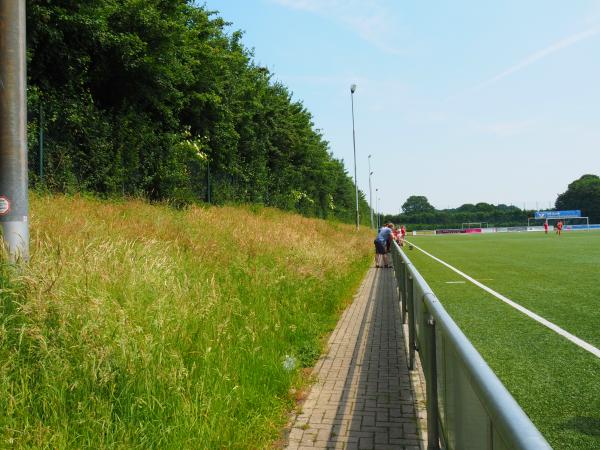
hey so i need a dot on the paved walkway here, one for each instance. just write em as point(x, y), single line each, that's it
point(363, 397)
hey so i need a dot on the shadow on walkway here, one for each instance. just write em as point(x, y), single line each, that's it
point(363, 397)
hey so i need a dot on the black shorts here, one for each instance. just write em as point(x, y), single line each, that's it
point(379, 247)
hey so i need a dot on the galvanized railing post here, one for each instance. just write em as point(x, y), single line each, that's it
point(402, 277)
point(433, 437)
point(398, 274)
point(411, 323)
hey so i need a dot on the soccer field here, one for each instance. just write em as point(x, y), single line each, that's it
point(555, 381)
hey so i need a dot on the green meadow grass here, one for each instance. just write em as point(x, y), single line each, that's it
point(140, 326)
point(555, 382)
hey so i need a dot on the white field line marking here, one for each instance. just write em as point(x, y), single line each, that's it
point(455, 282)
point(577, 341)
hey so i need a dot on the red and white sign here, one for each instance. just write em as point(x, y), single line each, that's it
point(4, 205)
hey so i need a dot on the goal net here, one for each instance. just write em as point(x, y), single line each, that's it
point(473, 225)
point(572, 220)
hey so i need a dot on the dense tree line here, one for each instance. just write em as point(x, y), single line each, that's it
point(156, 98)
point(418, 213)
point(583, 194)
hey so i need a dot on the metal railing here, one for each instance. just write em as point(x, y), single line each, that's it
point(467, 405)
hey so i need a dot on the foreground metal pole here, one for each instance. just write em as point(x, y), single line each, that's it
point(14, 203)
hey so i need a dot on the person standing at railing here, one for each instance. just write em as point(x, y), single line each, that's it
point(403, 235)
point(382, 243)
point(397, 236)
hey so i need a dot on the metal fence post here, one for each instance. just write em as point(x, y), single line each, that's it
point(406, 292)
point(41, 139)
point(208, 199)
point(402, 284)
point(411, 323)
point(433, 437)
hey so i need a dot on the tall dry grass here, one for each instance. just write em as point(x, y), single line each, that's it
point(140, 326)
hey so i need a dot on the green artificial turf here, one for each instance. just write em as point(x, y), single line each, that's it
point(556, 382)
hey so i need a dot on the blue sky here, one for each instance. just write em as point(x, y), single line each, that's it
point(462, 101)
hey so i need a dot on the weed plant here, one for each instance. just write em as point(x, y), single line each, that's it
point(140, 326)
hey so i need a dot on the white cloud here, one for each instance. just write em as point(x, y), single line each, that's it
point(592, 17)
point(372, 20)
point(508, 128)
point(314, 6)
point(534, 57)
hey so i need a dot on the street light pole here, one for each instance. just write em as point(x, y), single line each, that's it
point(380, 213)
point(352, 90)
point(377, 207)
point(370, 195)
point(14, 201)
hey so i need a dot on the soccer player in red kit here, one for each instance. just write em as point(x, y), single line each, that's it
point(396, 235)
point(559, 227)
point(546, 227)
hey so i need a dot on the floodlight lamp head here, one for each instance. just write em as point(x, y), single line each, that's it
point(352, 88)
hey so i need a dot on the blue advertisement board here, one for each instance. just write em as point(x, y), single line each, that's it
point(558, 214)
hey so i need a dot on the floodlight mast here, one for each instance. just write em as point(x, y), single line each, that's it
point(370, 194)
point(352, 90)
point(14, 202)
point(377, 208)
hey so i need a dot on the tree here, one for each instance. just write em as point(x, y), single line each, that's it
point(467, 207)
point(485, 207)
point(143, 97)
point(501, 215)
point(583, 194)
point(417, 204)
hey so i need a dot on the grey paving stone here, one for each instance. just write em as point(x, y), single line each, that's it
point(364, 396)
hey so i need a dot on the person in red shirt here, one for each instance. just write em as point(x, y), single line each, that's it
point(403, 233)
point(559, 227)
point(396, 235)
point(546, 226)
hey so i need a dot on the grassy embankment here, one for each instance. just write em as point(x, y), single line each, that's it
point(138, 326)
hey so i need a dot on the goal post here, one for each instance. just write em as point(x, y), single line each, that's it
point(571, 219)
point(473, 225)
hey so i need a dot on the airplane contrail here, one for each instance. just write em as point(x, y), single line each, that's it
point(534, 57)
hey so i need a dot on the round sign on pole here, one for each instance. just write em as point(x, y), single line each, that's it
point(4, 205)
